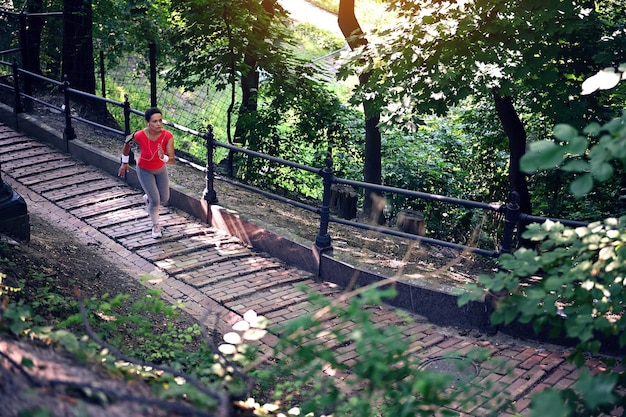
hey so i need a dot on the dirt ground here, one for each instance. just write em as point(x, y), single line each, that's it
point(54, 262)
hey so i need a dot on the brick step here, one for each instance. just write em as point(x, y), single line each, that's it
point(32, 160)
point(208, 256)
point(273, 280)
point(104, 195)
point(188, 245)
point(63, 169)
point(81, 186)
point(131, 235)
point(18, 144)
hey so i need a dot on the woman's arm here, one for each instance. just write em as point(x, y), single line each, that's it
point(125, 156)
point(169, 151)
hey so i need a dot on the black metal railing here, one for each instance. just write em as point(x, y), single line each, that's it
point(510, 210)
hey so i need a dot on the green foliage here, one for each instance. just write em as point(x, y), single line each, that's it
point(433, 57)
point(591, 395)
point(573, 284)
point(459, 155)
point(588, 167)
point(383, 378)
point(314, 43)
point(436, 55)
point(208, 37)
point(577, 290)
point(18, 317)
point(126, 27)
point(283, 126)
point(580, 293)
point(589, 157)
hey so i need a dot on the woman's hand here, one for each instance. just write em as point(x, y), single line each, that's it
point(166, 157)
point(123, 170)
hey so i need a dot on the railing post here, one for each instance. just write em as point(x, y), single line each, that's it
point(102, 75)
point(126, 111)
point(18, 108)
point(126, 116)
point(153, 73)
point(68, 133)
point(511, 218)
point(209, 194)
point(322, 241)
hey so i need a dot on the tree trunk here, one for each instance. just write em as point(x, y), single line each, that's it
point(372, 171)
point(30, 37)
point(249, 86)
point(78, 61)
point(250, 80)
point(30, 42)
point(516, 133)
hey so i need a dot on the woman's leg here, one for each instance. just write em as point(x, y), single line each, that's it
point(163, 184)
point(148, 182)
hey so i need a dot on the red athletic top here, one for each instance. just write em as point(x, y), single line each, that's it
point(148, 153)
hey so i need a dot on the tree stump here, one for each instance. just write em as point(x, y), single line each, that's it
point(343, 201)
point(411, 221)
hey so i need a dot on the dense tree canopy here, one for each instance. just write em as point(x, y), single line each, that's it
point(524, 56)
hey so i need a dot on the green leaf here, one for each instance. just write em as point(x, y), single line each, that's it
point(542, 155)
point(548, 403)
point(577, 146)
point(472, 293)
point(596, 390)
point(602, 172)
point(553, 283)
point(27, 362)
point(593, 129)
point(535, 293)
point(581, 186)
point(564, 132)
point(577, 165)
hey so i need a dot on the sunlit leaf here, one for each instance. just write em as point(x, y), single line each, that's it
point(232, 337)
point(603, 80)
point(254, 334)
point(227, 349)
point(241, 326)
point(250, 316)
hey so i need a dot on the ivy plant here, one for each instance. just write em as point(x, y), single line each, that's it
point(573, 282)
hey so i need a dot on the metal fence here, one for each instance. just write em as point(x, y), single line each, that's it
point(510, 211)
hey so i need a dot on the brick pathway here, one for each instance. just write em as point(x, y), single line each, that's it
point(218, 278)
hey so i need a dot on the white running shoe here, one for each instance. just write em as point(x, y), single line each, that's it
point(146, 201)
point(156, 232)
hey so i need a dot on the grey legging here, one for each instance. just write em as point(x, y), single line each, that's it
point(156, 185)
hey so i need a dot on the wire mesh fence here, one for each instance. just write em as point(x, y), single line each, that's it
point(196, 110)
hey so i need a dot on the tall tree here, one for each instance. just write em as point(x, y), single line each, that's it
point(31, 24)
point(372, 170)
point(229, 42)
point(78, 58)
point(250, 78)
point(523, 55)
point(249, 44)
